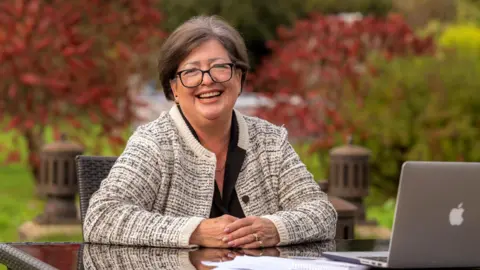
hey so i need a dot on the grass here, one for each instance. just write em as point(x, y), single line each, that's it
point(62, 238)
point(16, 201)
point(19, 205)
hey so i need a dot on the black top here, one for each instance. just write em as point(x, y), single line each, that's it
point(229, 204)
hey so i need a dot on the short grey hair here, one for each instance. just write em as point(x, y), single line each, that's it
point(190, 35)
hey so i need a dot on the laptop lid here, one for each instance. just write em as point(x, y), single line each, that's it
point(437, 216)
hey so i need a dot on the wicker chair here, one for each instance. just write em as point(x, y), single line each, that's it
point(91, 170)
point(14, 259)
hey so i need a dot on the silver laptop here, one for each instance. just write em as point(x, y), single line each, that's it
point(436, 222)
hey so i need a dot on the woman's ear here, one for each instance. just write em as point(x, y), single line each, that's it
point(239, 73)
point(243, 79)
point(173, 86)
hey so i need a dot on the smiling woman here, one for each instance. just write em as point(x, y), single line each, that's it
point(203, 174)
point(209, 83)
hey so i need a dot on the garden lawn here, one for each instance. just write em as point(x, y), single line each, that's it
point(17, 202)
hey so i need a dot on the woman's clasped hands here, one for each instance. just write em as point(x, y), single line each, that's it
point(251, 232)
point(231, 232)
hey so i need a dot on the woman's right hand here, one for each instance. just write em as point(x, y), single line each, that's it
point(210, 232)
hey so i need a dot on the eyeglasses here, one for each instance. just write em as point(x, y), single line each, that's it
point(193, 77)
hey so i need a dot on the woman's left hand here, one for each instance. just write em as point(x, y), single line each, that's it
point(251, 232)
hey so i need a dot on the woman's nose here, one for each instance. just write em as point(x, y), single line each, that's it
point(207, 79)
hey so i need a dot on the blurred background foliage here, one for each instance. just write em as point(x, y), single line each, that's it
point(464, 38)
point(258, 21)
point(419, 13)
point(418, 108)
point(468, 11)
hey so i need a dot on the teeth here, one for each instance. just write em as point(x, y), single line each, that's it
point(209, 94)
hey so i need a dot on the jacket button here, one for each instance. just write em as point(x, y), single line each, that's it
point(245, 199)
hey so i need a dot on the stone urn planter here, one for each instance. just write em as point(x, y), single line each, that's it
point(58, 182)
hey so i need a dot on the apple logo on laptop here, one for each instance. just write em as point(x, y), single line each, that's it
point(456, 218)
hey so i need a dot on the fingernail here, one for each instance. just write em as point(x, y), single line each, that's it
point(225, 239)
point(230, 255)
point(231, 243)
point(226, 230)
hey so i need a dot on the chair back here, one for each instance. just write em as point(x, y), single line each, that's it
point(14, 258)
point(91, 170)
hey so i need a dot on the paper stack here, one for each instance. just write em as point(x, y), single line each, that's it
point(276, 263)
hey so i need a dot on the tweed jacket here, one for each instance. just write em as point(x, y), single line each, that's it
point(161, 187)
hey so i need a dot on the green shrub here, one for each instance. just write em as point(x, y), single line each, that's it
point(383, 214)
point(366, 7)
point(417, 108)
point(468, 11)
point(465, 38)
point(316, 163)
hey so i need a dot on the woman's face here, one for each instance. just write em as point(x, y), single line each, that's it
point(207, 100)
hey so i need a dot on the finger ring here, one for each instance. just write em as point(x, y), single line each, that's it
point(261, 244)
point(256, 236)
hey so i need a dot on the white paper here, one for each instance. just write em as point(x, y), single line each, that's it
point(276, 263)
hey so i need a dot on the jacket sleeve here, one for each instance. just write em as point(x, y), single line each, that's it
point(120, 210)
point(306, 213)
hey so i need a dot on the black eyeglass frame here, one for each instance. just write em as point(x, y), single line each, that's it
point(232, 66)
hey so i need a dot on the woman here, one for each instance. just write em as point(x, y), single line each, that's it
point(203, 174)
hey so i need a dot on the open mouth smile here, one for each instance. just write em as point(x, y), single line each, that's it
point(208, 95)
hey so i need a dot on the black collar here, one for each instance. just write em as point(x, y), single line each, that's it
point(235, 157)
point(233, 131)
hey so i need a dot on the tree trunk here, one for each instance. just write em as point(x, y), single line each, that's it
point(34, 144)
